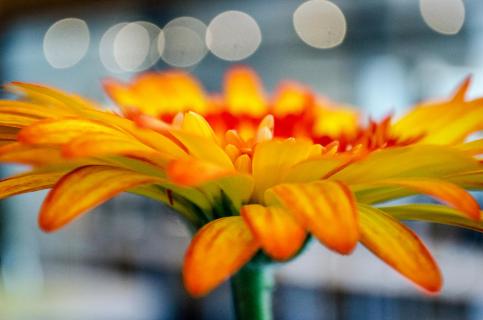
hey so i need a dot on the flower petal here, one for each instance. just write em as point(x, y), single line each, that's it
point(444, 191)
point(399, 247)
point(197, 125)
point(79, 191)
point(190, 171)
point(426, 161)
point(99, 144)
point(28, 154)
point(433, 213)
point(273, 159)
point(51, 97)
point(279, 233)
point(316, 169)
point(468, 179)
point(473, 147)
point(446, 122)
point(62, 130)
point(326, 208)
point(203, 148)
point(244, 92)
point(217, 251)
point(29, 182)
point(159, 93)
point(32, 110)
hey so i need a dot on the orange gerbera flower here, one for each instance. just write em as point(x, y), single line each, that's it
point(252, 174)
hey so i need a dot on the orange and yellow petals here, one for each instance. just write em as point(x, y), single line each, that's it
point(98, 144)
point(193, 172)
point(447, 122)
point(335, 122)
point(19, 114)
point(51, 97)
point(474, 148)
point(29, 182)
point(62, 131)
point(265, 129)
point(27, 154)
point(123, 96)
point(232, 151)
point(16, 120)
point(243, 164)
point(291, 98)
point(156, 94)
point(316, 168)
point(272, 160)
point(153, 133)
point(244, 93)
point(280, 235)
point(216, 252)
point(203, 148)
point(326, 208)
point(434, 214)
point(195, 124)
point(28, 109)
point(418, 161)
point(8, 135)
point(78, 191)
point(469, 179)
point(444, 191)
point(399, 247)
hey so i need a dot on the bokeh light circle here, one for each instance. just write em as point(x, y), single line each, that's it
point(443, 16)
point(233, 35)
point(320, 24)
point(131, 46)
point(66, 42)
point(183, 42)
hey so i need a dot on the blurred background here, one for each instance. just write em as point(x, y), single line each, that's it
point(123, 260)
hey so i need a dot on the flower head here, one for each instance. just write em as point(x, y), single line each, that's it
point(252, 173)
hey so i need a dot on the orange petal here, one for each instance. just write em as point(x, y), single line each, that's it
point(28, 154)
point(196, 124)
point(16, 120)
point(99, 144)
point(443, 122)
point(203, 148)
point(460, 94)
point(28, 182)
point(273, 159)
point(425, 161)
point(51, 97)
point(83, 189)
point(434, 214)
point(326, 208)
point(279, 233)
point(335, 121)
point(291, 98)
point(193, 172)
point(62, 131)
point(473, 148)
point(8, 134)
point(217, 251)
point(399, 247)
point(469, 179)
point(121, 94)
point(444, 191)
point(244, 93)
point(316, 168)
point(159, 93)
point(28, 109)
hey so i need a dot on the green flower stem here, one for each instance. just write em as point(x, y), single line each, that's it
point(252, 292)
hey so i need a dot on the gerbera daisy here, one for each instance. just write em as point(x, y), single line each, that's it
point(255, 176)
